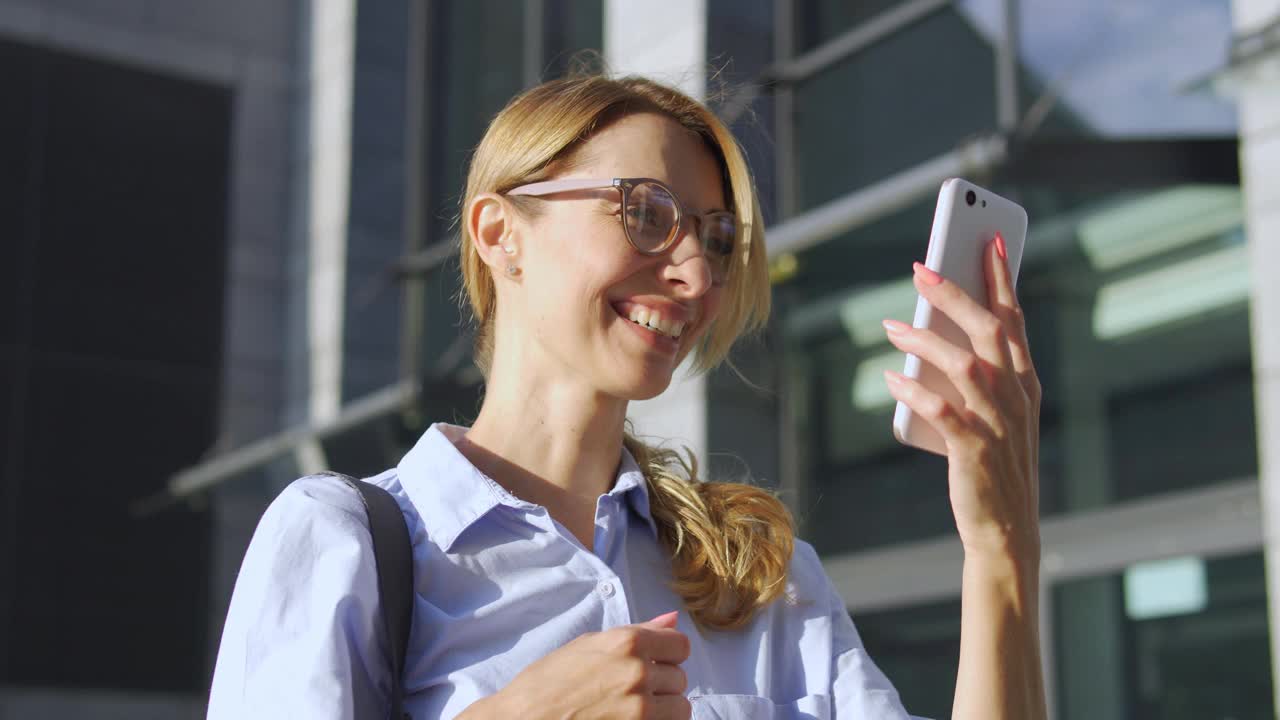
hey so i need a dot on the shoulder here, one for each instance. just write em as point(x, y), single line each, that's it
point(808, 580)
point(314, 535)
point(315, 501)
point(320, 493)
point(324, 509)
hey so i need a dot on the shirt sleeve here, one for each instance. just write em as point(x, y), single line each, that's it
point(303, 633)
point(858, 688)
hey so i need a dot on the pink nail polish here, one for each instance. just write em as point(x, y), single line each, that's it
point(1000, 249)
point(927, 275)
point(894, 326)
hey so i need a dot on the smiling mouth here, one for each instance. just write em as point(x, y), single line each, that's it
point(653, 322)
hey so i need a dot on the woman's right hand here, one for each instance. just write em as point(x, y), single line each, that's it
point(630, 672)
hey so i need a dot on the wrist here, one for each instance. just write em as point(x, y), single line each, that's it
point(1012, 581)
point(1003, 551)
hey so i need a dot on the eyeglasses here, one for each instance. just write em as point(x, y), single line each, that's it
point(651, 217)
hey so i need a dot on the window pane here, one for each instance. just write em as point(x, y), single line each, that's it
point(818, 21)
point(1123, 69)
point(476, 65)
point(918, 649)
point(480, 46)
point(1177, 639)
point(740, 48)
point(892, 106)
point(571, 26)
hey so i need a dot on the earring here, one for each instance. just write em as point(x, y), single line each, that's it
point(511, 268)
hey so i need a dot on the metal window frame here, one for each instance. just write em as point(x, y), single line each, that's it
point(303, 442)
point(790, 69)
point(1212, 522)
point(1219, 520)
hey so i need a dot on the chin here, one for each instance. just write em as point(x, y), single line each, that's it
point(651, 391)
point(646, 387)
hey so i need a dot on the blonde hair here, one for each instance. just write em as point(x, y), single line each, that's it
point(730, 543)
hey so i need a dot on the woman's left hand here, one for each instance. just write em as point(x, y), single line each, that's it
point(993, 440)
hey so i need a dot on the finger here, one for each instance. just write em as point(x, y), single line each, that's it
point(930, 407)
point(657, 644)
point(985, 331)
point(667, 707)
point(667, 620)
point(965, 370)
point(1003, 300)
point(666, 679)
point(999, 278)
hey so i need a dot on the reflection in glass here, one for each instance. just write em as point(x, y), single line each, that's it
point(1178, 639)
point(1123, 69)
point(893, 105)
point(918, 649)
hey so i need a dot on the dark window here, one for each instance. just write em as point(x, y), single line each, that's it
point(918, 649)
point(113, 193)
point(1189, 641)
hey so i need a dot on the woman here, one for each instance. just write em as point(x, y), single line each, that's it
point(565, 569)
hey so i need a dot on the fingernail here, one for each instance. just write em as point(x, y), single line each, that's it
point(894, 326)
point(1000, 249)
point(892, 377)
point(666, 617)
point(927, 275)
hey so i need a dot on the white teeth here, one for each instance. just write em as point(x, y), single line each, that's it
point(652, 320)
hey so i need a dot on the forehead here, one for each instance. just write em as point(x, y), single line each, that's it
point(655, 146)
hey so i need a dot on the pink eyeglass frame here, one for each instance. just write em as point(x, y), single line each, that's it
point(624, 186)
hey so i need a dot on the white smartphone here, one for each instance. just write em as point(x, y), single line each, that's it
point(967, 218)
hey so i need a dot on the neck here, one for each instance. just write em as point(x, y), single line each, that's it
point(548, 441)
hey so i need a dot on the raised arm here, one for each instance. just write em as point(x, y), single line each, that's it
point(993, 458)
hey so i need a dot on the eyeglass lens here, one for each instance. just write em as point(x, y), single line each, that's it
point(651, 215)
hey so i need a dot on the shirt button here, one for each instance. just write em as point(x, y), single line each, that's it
point(605, 588)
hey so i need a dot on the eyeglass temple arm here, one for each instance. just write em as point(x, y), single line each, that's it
point(553, 186)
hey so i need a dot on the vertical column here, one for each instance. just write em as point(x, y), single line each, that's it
point(330, 56)
point(1259, 103)
point(664, 40)
point(1090, 653)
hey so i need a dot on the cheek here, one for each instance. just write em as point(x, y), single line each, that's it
point(711, 306)
point(710, 311)
point(589, 244)
point(582, 260)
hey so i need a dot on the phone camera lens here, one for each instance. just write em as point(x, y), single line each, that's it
point(971, 197)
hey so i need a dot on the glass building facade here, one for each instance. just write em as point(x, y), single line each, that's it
point(1136, 285)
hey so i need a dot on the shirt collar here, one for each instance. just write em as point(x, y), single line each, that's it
point(631, 482)
point(451, 494)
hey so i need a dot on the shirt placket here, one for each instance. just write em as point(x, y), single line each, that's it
point(609, 587)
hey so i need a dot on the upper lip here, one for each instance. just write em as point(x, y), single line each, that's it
point(670, 311)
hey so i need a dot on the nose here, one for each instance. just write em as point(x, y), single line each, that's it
point(688, 268)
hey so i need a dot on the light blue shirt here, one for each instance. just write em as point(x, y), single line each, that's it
point(500, 584)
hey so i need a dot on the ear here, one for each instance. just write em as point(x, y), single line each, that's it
point(490, 220)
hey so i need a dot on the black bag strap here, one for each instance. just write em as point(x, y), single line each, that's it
point(393, 557)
